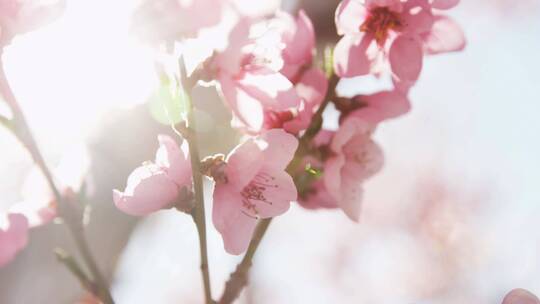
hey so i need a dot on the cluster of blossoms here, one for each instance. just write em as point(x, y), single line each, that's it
point(270, 78)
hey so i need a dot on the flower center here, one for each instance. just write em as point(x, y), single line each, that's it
point(254, 192)
point(380, 22)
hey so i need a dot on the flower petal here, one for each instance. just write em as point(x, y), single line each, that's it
point(300, 45)
point(351, 56)
point(444, 4)
point(520, 296)
point(406, 57)
point(243, 163)
point(382, 106)
point(278, 148)
point(174, 160)
point(350, 14)
point(279, 191)
point(236, 228)
point(445, 36)
point(149, 189)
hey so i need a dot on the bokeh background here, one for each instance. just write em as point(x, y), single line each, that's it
point(452, 218)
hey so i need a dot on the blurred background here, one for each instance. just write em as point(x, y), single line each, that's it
point(452, 218)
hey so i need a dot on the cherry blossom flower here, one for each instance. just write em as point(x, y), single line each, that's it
point(520, 296)
point(354, 158)
point(250, 87)
point(378, 32)
point(163, 184)
point(21, 16)
point(13, 236)
point(173, 20)
point(254, 185)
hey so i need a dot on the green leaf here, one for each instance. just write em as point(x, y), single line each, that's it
point(168, 104)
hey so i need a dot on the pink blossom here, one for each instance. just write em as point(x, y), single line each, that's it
point(13, 237)
point(21, 16)
point(254, 186)
point(250, 87)
point(394, 32)
point(174, 20)
point(154, 186)
point(354, 158)
point(520, 296)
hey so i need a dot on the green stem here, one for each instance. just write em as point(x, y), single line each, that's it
point(22, 131)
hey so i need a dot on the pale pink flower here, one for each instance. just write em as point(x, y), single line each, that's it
point(21, 16)
point(173, 20)
point(13, 237)
point(381, 106)
point(354, 158)
point(254, 185)
point(520, 296)
point(163, 184)
point(250, 87)
point(394, 32)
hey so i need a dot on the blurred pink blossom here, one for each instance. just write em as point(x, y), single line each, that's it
point(255, 185)
point(158, 185)
point(13, 237)
point(21, 16)
point(520, 296)
point(355, 157)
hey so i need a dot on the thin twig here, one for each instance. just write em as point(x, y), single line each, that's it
point(239, 278)
point(73, 266)
point(22, 131)
point(198, 212)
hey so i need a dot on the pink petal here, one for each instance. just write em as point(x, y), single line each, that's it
point(149, 189)
point(520, 296)
point(235, 227)
point(417, 16)
point(406, 57)
point(393, 5)
point(243, 163)
point(382, 106)
point(444, 4)
point(278, 148)
point(312, 87)
point(271, 89)
point(351, 198)
point(351, 57)
point(13, 238)
point(248, 112)
point(174, 160)
point(279, 191)
point(299, 47)
point(350, 128)
point(350, 14)
point(229, 60)
point(332, 175)
point(318, 197)
point(445, 36)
